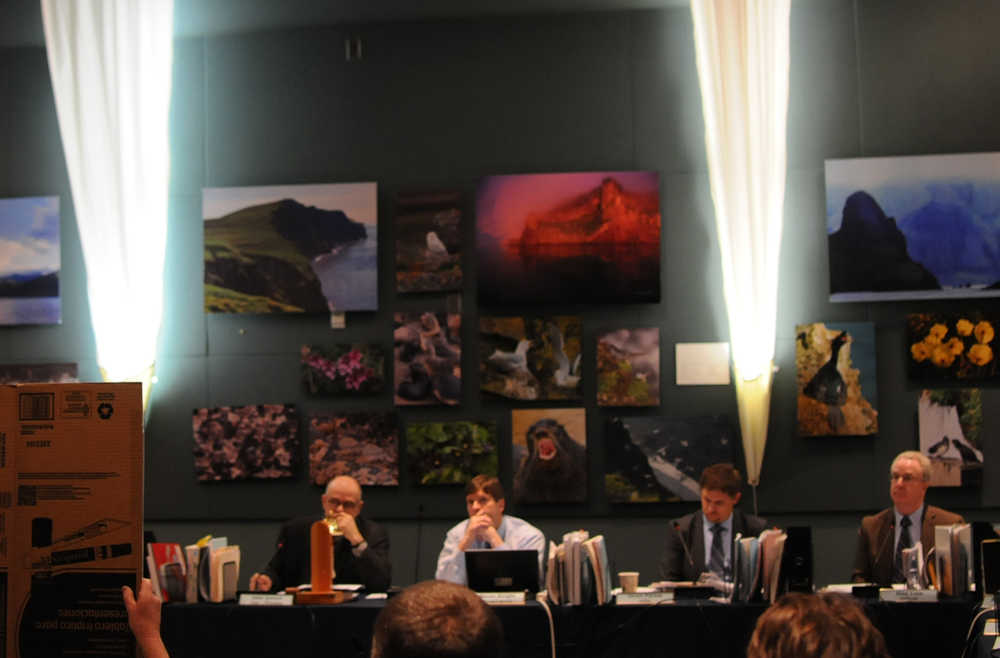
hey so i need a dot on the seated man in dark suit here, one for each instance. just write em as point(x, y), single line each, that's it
point(883, 536)
point(703, 541)
point(361, 555)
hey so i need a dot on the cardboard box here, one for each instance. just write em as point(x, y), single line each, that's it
point(71, 475)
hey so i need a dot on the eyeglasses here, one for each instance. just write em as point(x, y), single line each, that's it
point(905, 477)
point(346, 504)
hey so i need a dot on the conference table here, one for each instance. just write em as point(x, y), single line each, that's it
point(683, 628)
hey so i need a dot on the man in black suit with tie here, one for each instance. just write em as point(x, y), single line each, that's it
point(703, 541)
point(361, 555)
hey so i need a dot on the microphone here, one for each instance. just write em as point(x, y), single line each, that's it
point(687, 551)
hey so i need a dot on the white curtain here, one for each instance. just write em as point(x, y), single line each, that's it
point(110, 63)
point(742, 54)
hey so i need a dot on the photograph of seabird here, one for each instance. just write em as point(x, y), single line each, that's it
point(654, 459)
point(428, 241)
point(427, 349)
point(364, 445)
point(628, 368)
point(835, 375)
point(451, 452)
point(549, 448)
point(951, 435)
point(531, 357)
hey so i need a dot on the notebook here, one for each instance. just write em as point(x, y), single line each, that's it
point(502, 571)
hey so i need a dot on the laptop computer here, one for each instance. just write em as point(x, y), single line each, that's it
point(502, 571)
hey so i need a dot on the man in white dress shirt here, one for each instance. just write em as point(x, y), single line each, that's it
point(486, 527)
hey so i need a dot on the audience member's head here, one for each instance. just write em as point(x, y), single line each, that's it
point(816, 626)
point(436, 618)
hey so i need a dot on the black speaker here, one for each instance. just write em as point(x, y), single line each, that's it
point(797, 560)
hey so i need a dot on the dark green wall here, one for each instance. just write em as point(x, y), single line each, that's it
point(444, 103)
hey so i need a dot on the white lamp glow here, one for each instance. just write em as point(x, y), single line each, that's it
point(110, 63)
point(743, 60)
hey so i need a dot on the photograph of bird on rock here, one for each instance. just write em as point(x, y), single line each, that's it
point(835, 366)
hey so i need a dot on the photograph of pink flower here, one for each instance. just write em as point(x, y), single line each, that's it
point(258, 442)
point(949, 347)
point(364, 445)
point(343, 369)
point(427, 350)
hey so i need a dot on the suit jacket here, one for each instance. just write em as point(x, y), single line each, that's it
point(675, 563)
point(291, 563)
point(874, 557)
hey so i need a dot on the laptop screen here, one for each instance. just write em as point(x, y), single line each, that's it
point(502, 571)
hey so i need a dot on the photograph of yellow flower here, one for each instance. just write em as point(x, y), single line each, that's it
point(835, 366)
point(951, 429)
point(951, 347)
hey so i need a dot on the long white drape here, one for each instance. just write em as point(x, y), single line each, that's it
point(110, 63)
point(743, 59)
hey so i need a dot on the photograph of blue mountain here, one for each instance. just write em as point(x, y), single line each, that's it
point(29, 261)
point(291, 248)
point(917, 227)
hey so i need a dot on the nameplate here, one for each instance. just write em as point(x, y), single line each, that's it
point(502, 598)
point(256, 598)
point(643, 598)
point(908, 595)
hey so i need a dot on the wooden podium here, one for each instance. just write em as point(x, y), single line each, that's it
point(321, 559)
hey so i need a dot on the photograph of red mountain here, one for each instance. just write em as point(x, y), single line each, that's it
point(573, 237)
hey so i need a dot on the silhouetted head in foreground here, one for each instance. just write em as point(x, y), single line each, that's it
point(436, 618)
point(816, 626)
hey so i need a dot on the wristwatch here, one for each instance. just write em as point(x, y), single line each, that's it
point(360, 548)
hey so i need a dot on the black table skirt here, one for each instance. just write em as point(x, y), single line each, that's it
point(696, 629)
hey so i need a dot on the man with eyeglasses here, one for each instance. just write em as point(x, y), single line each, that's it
point(883, 536)
point(361, 555)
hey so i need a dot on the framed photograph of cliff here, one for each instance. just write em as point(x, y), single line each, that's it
point(549, 450)
point(531, 357)
point(45, 373)
point(628, 368)
point(30, 261)
point(451, 452)
point(427, 356)
point(240, 443)
point(428, 241)
point(653, 459)
point(951, 435)
point(575, 237)
point(291, 248)
point(363, 444)
point(354, 369)
point(835, 376)
point(916, 227)
point(952, 347)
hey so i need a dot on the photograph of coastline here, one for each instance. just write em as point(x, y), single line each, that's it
point(30, 261)
point(571, 237)
point(291, 248)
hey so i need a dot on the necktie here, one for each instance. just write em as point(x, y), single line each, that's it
point(905, 541)
point(717, 562)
